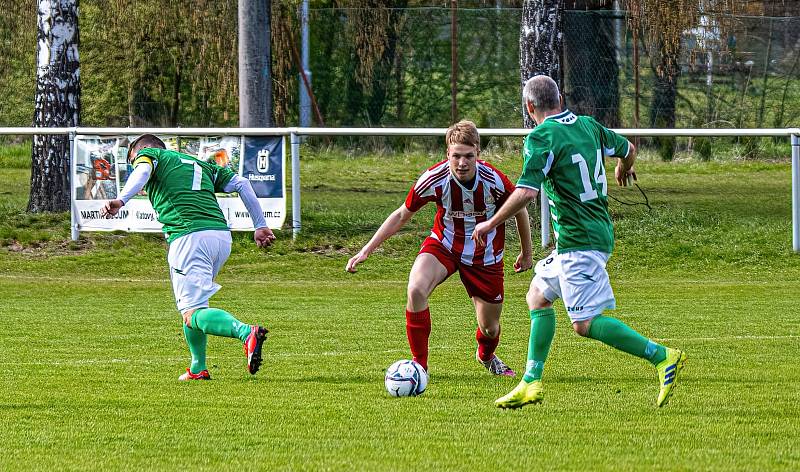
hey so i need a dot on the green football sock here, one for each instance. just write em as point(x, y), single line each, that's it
point(196, 340)
point(219, 323)
point(543, 328)
point(617, 334)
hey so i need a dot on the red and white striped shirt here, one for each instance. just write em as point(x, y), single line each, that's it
point(460, 209)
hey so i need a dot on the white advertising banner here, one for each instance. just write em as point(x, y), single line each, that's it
point(101, 170)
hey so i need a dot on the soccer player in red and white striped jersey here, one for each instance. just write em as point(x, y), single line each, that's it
point(466, 191)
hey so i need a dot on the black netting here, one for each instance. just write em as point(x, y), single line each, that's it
point(747, 77)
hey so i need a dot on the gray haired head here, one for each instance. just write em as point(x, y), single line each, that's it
point(542, 92)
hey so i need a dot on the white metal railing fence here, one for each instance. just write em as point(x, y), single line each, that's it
point(294, 134)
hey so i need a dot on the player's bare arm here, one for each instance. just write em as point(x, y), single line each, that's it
point(390, 226)
point(518, 200)
point(624, 172)
point(525, 257)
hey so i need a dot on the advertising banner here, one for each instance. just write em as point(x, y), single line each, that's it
point(101, 170)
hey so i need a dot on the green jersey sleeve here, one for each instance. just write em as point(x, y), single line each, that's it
point(537, 160)
point(221, 177)
point(613, 144)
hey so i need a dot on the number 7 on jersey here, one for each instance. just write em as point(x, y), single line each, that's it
point(197, 178)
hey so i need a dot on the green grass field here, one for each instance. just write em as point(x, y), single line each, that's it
point(91, 345)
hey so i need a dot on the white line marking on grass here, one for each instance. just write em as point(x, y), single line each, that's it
point(81, 280)
point(172, 360)
point(80, 362)
point(734, 338)
point(248, 281)
point(707, 338)
point(150, 360)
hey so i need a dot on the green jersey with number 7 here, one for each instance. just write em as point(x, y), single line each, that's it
point(181, 189)
point(564, 154)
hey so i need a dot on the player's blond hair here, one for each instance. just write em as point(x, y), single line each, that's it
point(463, 132)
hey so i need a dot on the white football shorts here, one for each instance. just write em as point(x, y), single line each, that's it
point(580, 279)
point(194, 261)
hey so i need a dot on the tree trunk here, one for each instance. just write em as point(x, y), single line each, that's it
point(176, 95)
point(400, 89)
point(540, 43)
point(376, 104)
point(665, 91)
point(57, 103)
point(255, 58)
point(591, 69)
point(131, 121)
point(453, 61)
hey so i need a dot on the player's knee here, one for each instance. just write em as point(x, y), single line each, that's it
point(491, 331)
point(536, 299)
point(417, 294)
point(582, 327)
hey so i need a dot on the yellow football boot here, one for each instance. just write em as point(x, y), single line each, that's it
point(668, 371)
point(524, 393)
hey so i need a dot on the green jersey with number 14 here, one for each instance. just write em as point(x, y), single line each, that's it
point(181, 189)
point(565, 155)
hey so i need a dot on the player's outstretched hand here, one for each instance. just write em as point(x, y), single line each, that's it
point(111, 208)
point(263, 237)
point(624, 178)
point(524, 262)
point(480, 232)
point(356, 260)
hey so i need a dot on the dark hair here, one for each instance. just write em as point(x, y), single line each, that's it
point(144, 141)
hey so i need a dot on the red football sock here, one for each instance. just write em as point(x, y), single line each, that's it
point(418, 329)
point(486, 345)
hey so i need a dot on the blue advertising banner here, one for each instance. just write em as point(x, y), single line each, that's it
point(262, 165)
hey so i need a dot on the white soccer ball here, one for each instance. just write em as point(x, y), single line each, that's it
point(405, 378)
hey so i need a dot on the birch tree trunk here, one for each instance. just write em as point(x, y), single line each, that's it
point(540, 42)
point(57, 103)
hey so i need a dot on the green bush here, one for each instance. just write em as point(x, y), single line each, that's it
point(703, 149)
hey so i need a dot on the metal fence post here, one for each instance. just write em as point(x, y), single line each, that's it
point(74, 225)
point(296, 224)
point(796, 192)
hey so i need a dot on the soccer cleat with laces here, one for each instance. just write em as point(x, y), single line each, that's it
point(668, 371)
point(202, 375)
point(252, 347)
point(495, 366)
point(524, 393)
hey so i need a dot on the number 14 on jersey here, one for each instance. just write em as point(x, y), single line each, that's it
point(589, 190)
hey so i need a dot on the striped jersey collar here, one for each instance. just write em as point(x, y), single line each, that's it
point(473, 185)
point(566, 117)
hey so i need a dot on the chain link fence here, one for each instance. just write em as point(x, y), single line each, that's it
point(394, 69)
